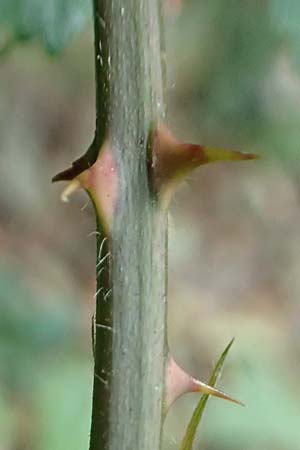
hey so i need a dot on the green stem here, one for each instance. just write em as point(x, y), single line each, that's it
point(130, 339)
point(99, 436)
point(102, 333)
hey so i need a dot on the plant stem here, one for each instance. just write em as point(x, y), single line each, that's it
point(130, 361)
point(102, 333)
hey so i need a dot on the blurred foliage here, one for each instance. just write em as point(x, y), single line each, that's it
point(53, 22)
point(37, 357)
point(234, 82)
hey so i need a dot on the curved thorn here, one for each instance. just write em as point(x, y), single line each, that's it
point(71, 187)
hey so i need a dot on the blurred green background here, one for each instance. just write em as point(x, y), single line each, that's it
point(233, 81)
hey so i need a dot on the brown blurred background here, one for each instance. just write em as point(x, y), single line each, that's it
point(233, 81)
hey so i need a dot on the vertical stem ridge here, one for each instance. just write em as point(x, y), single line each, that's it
point(103, 321)
point(103, 330)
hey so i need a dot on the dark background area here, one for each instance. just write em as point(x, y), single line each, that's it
point(233, 81)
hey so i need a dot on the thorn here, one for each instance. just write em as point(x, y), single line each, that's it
point(98, 177)
point(173, 160)
point(70, 189)
point(179, 382)
point(209, 390)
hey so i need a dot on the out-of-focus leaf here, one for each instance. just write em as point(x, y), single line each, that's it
point(187, 442)
point(28, 330)
point(285, 20)
point(285, 17)
point(53, 22)
point(63, 404)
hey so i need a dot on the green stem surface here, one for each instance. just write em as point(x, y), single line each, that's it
point(130, 329)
